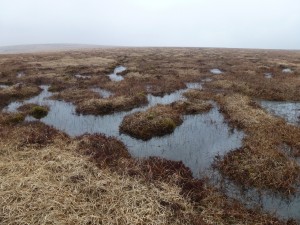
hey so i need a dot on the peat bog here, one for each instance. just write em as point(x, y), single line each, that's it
point(218, 138)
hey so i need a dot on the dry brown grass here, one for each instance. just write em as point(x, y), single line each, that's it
point(51, 183)
point(11, 118)
point(111, 105)
point(17, 92)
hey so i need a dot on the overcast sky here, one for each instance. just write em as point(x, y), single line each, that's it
point(199, 23)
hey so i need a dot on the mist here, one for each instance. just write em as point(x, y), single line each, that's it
point(182, 23)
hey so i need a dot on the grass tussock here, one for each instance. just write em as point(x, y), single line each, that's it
point(11, 118)
point(259, 162)
point(198, 95)
point(279, 89)
point(17, 92)
point(104, 150)
point(192, 107)
point(34, 110)
point(156, 121)
point(113, 104)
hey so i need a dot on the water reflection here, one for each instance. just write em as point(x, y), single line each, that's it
point(290, 111)
point(216, 71)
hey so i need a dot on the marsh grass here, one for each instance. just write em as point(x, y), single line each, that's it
point(11, 118)
point(259, 163)
point(110, 105)
point(34, 110)
point(209, 206)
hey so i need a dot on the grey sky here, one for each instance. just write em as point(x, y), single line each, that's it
point(200, 23)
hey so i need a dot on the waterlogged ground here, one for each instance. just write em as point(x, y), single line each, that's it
point(201, 137)
point(196, 142)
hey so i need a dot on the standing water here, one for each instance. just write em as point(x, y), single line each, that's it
point(290, 111)
point(114, 76)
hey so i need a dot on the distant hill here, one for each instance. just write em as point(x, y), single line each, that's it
point(45, 48)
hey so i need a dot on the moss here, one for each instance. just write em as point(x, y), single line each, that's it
point(39, 112)
point(15, 118)
point(168, 124)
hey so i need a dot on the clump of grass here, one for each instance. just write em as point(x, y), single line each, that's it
point(34, 110)
point(57, 87)
point(11, 118)
point(156, 121)
point(197, 95)
point(39, 112)
point(192, 107)
point(36, 134)
point(110, 105)
point(17, 92)
point(104, 150)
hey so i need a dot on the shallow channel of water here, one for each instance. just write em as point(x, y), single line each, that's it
point(285, 208)
point(114, 76)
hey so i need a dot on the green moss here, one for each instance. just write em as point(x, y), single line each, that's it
point(39, 112)
point(15, 118)
point(169, 124)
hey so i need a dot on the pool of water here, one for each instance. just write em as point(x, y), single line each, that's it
point(114, 76)
point(216, 71)
point(3, 86)
point(83, 77)
point(194, 86)
point(287, 70)
point(283, 207)
point(290, 111)
point(268, 75)
point(20, 74)
point(196, 142)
